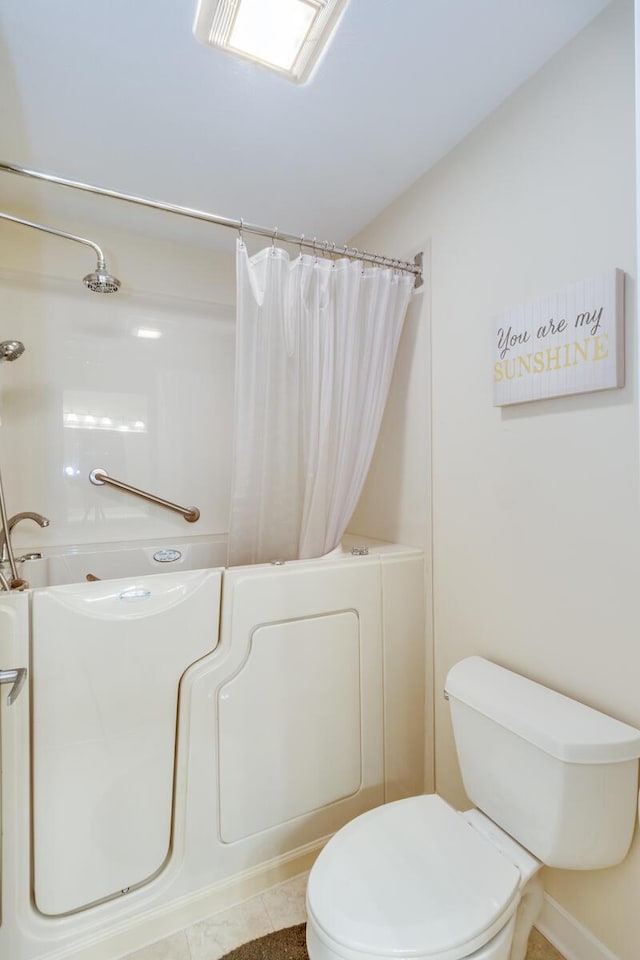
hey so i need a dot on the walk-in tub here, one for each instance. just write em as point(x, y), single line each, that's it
point(190, 737)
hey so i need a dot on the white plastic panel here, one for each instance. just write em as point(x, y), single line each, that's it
point(289, 724)
point(106, 668)
point(405, 673)
point(68, 412)
point(14, 718)
point(299, 704)
point(117, 560)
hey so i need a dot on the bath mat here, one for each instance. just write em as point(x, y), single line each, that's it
point(287, 944)
point(290, 944)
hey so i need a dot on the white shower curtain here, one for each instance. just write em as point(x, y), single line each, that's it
point(316, 342)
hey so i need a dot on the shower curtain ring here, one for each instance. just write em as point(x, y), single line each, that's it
point(300, 242)
point(274, 238)
point(241, 230)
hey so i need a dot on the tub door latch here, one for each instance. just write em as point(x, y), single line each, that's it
point(17, 677)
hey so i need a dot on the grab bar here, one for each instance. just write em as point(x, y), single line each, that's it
point(99, 476)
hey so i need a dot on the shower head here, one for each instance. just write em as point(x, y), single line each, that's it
point(11, 349)
point(100, 281)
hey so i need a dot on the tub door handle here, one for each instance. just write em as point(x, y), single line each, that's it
point(17, 677)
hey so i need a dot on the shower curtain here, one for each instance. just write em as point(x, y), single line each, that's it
point(315, 344)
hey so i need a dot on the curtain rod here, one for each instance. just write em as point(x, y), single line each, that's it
point(318, 246)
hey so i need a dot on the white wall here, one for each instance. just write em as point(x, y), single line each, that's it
point(536, 521)
point(169, 399)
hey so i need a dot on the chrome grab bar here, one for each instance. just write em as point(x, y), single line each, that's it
point(17, 677)
point(99, 476)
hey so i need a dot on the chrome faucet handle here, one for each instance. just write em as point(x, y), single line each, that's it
point(5, 535)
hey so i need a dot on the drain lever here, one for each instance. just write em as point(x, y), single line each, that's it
point(17, 677)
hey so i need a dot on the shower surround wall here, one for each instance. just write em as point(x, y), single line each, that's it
point(81, 342)
point(139, 384)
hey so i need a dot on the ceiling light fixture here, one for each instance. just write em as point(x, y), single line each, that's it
point(147, 333)
point(286, 35)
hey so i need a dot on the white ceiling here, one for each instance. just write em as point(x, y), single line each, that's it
point(119, 93)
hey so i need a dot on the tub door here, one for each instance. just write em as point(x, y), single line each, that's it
point(107, 662)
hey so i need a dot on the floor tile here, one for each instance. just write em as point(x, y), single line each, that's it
point(210, 939)
point(174, 947)
point(541, 949)
point(280, 906)
point(285, 903)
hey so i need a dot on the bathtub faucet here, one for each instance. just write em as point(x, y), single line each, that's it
point(6, 534)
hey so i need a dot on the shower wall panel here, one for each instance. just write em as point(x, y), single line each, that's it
point(137, 384)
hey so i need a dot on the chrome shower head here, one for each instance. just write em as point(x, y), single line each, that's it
point(100, 281)
point(11, 349)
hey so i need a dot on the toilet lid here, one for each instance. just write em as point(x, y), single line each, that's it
point(411, 879)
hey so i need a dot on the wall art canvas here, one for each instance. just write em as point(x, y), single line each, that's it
point(571, 341)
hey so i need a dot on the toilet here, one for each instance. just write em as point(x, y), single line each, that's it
point(553, 782)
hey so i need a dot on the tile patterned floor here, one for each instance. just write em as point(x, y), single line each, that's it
point(541, 949)
point(280, 906)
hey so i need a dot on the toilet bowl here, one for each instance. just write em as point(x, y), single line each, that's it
point(416, 879)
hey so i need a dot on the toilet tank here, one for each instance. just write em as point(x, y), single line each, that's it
point(559, 777)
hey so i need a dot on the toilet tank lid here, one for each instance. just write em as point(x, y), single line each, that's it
point(562, 727)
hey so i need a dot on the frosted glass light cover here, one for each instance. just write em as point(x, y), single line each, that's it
point(272, 30)
point(286, 35)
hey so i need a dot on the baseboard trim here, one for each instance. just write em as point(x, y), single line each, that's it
point(568, 936)
point(169, 918)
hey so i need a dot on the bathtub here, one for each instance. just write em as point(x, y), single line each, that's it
point(110, 561)
point(190, 737)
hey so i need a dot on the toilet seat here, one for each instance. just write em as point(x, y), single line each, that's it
point(410, 879)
